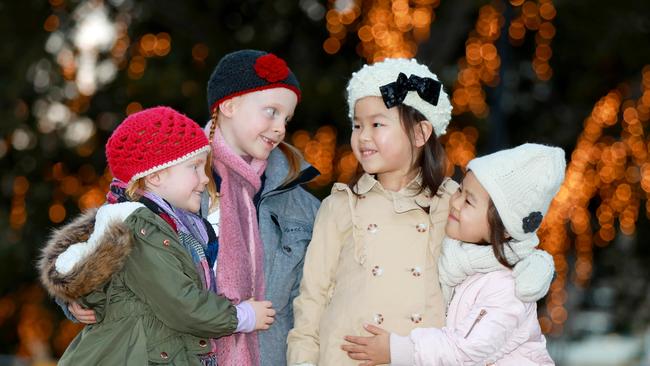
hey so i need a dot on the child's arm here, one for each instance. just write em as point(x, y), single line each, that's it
point(480, 338)
point(83, 246)
point(318, 275)
point(155, 274)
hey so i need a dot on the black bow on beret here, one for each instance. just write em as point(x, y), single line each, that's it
point(394, 93)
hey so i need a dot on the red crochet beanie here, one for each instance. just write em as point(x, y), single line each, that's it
point(151, 140)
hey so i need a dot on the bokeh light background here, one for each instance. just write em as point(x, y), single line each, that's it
point(573, 74)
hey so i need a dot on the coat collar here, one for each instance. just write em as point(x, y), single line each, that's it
point(94, 270)
point(406, 199)
point(277, 170)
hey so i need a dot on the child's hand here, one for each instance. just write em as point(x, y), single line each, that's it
point(373, 350)
point(264, 314)
point(86, 316)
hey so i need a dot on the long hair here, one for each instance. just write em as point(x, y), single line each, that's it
point(498, 235)
point(431, 161)
point(212, 186)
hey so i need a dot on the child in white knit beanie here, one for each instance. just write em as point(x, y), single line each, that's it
point(501, 203)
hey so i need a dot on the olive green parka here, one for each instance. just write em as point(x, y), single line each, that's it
point(148, 298)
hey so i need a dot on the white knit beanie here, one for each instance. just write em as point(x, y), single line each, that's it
point(368, 81)
point(522, 183)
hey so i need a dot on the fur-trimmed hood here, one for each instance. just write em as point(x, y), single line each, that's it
point(95, 246)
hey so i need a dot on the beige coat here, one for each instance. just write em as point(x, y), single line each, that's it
point(372, 259)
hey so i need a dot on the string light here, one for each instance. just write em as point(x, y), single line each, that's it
point(481, 63)
point(613, 168)
point(385, 28)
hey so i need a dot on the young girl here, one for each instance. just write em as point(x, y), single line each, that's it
point(500, 205)
point(139, 262)
point(374, 254)
point(264, 216)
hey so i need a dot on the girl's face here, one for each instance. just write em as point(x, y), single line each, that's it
point(182, 184)
point(468, 217)
point(255, 122)
point(379, 141)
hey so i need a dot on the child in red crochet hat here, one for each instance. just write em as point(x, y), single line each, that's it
point(142, 262)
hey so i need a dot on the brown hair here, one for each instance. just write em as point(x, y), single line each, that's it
point(498, 235)
point(431, 161)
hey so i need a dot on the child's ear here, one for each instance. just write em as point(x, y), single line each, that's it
point(154, 179)
point(228, 107)
point(423, 131)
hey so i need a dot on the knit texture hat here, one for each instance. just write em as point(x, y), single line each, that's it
point(151, 140)
point(247, 71)
point(418, 86)
point(522, 183)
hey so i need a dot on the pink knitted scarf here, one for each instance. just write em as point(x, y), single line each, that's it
point(240, 271)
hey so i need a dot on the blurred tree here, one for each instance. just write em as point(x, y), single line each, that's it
point(56, 120)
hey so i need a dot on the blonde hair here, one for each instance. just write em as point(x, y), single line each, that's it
point(134, 189)
point(212, 185)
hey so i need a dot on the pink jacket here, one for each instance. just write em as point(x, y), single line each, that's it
point(486, 325)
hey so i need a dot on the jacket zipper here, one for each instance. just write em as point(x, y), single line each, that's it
point(478, 319)
point(453, 292)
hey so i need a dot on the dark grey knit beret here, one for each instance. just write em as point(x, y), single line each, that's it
point(246, 71)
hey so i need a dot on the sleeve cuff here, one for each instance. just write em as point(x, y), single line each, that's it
point(66, 311)
point(245, 317)
point(401, 350)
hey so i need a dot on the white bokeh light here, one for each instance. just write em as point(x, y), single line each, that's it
point(94, 34)
point(94, 31)
point(21, 139)
point(79, 131)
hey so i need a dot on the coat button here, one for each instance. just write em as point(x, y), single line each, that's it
point(203, 343)
point(164, 355)
point(379, 318)
point(421, 228)
point(143, 231)
point(416, 318)
point(287, 248)
point(372, 228)
point(416, 271)
point(377, 271)
point(166, 242)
